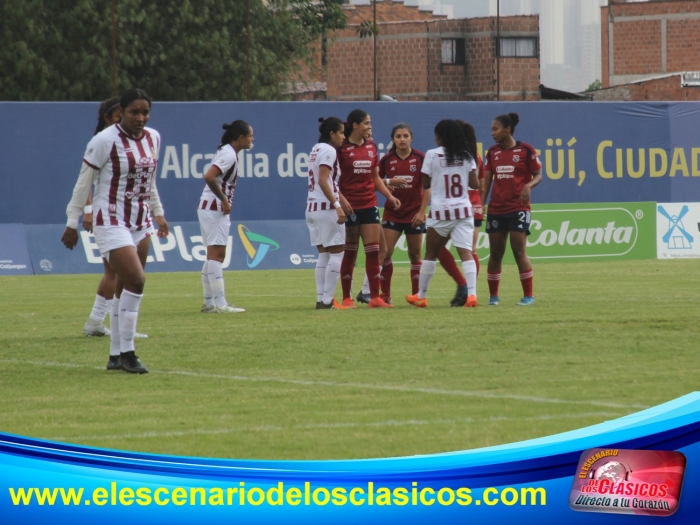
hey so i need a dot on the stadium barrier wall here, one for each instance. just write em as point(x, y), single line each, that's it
point(591, 152)
point(571, 232)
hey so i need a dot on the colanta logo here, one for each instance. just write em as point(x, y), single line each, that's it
point(264, 245)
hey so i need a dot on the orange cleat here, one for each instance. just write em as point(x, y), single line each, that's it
point(416, 301)
point(338, 306)
point(378, 302)
point(348, 304)
point(471, 302)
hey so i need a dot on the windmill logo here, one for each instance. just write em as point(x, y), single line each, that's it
point(255, 254)
point(676, 238)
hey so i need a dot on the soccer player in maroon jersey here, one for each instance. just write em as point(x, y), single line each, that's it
point(123, 160)
point(400, 169)
point(511, 169)
point(359, 160)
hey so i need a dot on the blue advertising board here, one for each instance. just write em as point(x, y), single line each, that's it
point(591, 152)
point(259, 245)
point(14, 256)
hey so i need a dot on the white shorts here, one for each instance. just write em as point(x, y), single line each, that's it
point(110, 238)
point(324, 228)
point(461, 231)
point(215, 227)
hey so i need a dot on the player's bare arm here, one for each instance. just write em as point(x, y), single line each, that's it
point(210, 178)
point(527, 189)
point(345, 205)
point(473, 180)
point(419, 218)
point(325, 183)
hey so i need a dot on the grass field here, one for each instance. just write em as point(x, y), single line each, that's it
point(284, 381)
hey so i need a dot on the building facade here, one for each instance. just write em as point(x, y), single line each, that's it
point(417, 55)
point(648, 49)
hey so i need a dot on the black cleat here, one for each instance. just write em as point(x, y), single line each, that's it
point(363, 298)
point(113, 363)
point(323, 306)
point(130, 362)
point(460, 298)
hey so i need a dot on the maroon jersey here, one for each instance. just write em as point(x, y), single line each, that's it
point(512, 169)
point(357, 164)
point(411, 196)
point(474, 196)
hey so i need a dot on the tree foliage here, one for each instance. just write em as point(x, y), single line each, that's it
point(187, 50)
point(594, 86)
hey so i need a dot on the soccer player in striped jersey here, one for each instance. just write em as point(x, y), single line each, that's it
point(214, 211)
point(400, 169)
point(511, 169)
point(448, 172)
point(324, 214)
point(447, 261)
point(358, 159)
point(123, 160)
point(110, 113)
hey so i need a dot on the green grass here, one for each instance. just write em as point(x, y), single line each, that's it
point(284, 381)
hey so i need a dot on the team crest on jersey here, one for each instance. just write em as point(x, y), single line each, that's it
point(414, 168)
point(370, 154)
point(516, 158)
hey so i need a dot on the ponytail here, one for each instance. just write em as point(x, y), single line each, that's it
point(328, 126)
point(356, 116)
point(509, 121)
point(236, 129)
point(106, 109)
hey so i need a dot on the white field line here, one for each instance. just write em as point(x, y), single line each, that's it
point(360, 386)
point(331, 426)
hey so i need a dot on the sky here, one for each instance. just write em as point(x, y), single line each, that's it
point(569, 34)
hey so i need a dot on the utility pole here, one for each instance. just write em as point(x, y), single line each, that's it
point(114, 49)
point(247, 50)
point(498, 49)
point(374, 48)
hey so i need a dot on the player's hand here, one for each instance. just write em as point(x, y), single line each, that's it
point(87, 222)
point(525, 194)
point(70, 238)
point(163, 227)
point(347, 209)
point(398, 183)
point(342, 218)
point(225, 207)
point(418, 219)
point(395, 203)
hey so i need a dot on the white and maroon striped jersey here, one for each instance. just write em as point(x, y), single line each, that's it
point(127, 167)
point(449, 185)
point(322, 155)
point(226, 160)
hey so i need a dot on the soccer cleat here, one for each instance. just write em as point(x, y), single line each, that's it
point(386, 298)
point(227, 309)
point(138, 335)
point(95, 329)
point(526, 301)
point(362, 298)
point(113, 363)
point(130, 362)
point(378, 302)
point(333, 305)
point(471, 302)
point(208, 309)
point(493, 300)
point(460, 298)
point(416, 301)
point(349, 304)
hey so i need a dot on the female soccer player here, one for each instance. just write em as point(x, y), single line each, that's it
point(324, 214)
point(513, 168)
point(448, 171)
point(358, 159)
point(400, 168)
point(123, 159)
point(214, 213)
point(447, 261)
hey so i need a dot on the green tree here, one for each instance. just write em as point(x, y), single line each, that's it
point(190, 50)
point(595, 85)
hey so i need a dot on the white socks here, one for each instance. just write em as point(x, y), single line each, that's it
point(469, 270)
point(216, 281)
point(128, 315)
point(427, 270)
point(100, 309)
point(321, 267)
point(208, 295)
point(114, 341)
point(365, 285)
point(332, 276)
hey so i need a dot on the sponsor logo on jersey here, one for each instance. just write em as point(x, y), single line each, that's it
point(393, 162)
point(255, 254)
point(362, 164)
point(505, 169)
point(412, 160)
